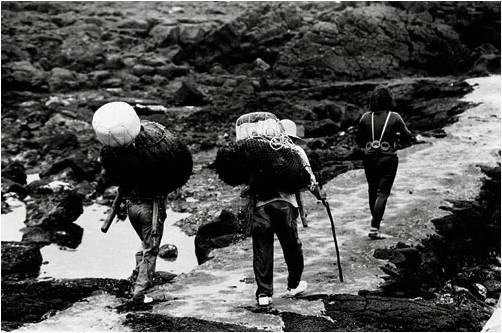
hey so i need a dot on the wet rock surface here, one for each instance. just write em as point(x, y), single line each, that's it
point(463, 253)
point(150, 322)
point(20, 259)
point(168, 251)
point(31, 301)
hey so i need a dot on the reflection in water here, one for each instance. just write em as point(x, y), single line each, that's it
point(69, 236)
point(82, 250)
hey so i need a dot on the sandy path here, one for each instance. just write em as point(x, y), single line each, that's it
point(222, 289)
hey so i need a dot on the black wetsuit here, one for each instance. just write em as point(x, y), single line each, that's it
point(380, 166)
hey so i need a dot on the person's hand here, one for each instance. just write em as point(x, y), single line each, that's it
point(245, 192)
point(122, 212)
point(420, 139)
point(318, 193)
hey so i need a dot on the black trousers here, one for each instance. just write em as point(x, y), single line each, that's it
point(380, 173)
point(277, 217)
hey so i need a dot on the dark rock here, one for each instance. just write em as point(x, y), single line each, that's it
point(134, 24)
point(261, 65)
point(192, 33)
point(165, 35)
point(492, 288)
point(450, 254)
point(140, 70)
point(112, 82)
point(168, 251)
point(59, 209)
point(219, 233)
point(259, 33)
point(486, 64)
point(15, 171)
point(62, 79)
point(325, 127)
point(150, 322)
point(189, 94)
point(114, 61)
point(81, 168)
point(160, 277)
point(154, 60)
point(29, 301)
point(390, 42)
point(343, 114)
point(377, 313)
point(60, 142)
point(22, 75)
point(20, 258)
point(99, 75)
point(317, 144)
point(172, 71)
point(38, 235)
point(69, 236)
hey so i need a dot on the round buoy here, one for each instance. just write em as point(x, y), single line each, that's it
point(116, 124)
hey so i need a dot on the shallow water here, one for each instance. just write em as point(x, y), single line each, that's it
point(100, 255)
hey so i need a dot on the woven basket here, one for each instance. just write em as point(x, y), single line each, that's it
point(157, 162)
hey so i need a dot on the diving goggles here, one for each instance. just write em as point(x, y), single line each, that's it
point(377, 145)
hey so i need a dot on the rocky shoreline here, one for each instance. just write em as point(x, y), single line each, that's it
point(195, 67)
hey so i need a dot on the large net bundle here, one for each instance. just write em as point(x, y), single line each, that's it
point(257, 161)
point(157, 162)
point(230, 166)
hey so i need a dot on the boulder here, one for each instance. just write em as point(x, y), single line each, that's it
point(23, 75)
point(325, 127)
point(60, 208)
point(164, 35)
point(62, 79)
point(258, 33)
point(140, 70)
point(168, 251)
point(390, 42)
point(114, 61)
point(191, 33)
point(15, 171)
point(189, 94)
point(19, 257)
point(219, 233)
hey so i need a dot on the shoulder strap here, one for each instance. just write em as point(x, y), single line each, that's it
point(385, 125)
point(383, 129)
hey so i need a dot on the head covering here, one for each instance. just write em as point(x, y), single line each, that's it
point(290, 129)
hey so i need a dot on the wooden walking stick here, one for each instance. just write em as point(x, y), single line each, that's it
point(111, 216)
point(301, 210)
point(326, 204)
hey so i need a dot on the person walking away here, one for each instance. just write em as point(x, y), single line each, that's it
point(378, 133)
point(276, 213)
point(147, 162)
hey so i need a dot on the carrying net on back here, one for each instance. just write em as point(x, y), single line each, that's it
point(263, 157)
point(157, 162)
